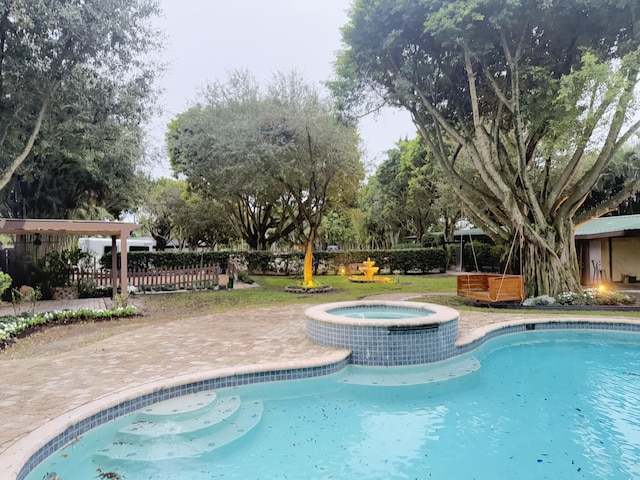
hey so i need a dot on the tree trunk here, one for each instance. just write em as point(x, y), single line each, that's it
point(308, 264)
point(550, 261)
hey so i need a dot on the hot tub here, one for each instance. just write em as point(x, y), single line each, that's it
point(385, 333)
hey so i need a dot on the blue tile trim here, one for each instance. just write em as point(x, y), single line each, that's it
point(388, 346)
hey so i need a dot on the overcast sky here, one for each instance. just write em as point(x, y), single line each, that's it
point(205, 39)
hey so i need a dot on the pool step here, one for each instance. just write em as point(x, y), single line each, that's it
point(214, 416)
point(396, 377)
point(183, 406)
point(164, 446)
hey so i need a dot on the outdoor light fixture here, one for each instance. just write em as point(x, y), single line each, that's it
point(37, 242)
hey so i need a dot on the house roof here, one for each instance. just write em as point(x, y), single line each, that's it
point(606, 227)
point(469, 232)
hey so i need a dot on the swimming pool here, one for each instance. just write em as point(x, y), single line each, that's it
point(527, 405)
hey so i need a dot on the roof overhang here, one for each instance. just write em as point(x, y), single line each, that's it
point(609, 227)
point(612, 234)
point(66, 227)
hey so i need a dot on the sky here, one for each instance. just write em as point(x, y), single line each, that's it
point(206, 39)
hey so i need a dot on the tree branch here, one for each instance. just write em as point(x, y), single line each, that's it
point(504, 101)
point(630, 187)
point(571, 168)
point(580, 189)
point(8, 173)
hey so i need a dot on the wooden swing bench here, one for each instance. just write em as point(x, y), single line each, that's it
point(491, 288)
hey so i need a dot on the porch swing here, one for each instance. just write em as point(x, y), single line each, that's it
point(491, 287)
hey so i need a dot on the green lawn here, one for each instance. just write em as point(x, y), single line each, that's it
point(271, 292)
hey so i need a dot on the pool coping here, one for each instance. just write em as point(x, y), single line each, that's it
point(477, 336)
point(439, 313)
point(20, 458)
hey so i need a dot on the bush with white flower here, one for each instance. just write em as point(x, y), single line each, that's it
point(607, 297)
point(12, 325)
point(590, 296)
point(572, 298)
point(540, 300)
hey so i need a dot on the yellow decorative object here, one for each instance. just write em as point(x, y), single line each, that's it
point(369, 270)
point(368, 273)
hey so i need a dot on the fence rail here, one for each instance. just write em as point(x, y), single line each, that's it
point(201, 277)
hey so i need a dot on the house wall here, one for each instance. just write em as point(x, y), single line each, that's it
point(625, 258)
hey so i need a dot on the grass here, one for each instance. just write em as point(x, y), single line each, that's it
point(271, 293)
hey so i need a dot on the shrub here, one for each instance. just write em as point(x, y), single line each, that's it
point(405, 246)
point(612, 298)
point(429, 240)
point(5, 282)
point(541, 300)
point(258, 261)
point(143, 261)
point(245, 278)
point(418, 259)
point(57, 268)
point(486, 255)
point(592, 296)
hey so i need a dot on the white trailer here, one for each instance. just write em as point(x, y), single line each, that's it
point(98, 246)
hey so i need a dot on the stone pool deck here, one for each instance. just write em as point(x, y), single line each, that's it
point(35, 391)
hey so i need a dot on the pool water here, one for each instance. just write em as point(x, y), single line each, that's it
point(380, 312)
point(557, 405)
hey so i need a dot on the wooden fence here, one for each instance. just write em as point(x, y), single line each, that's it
point(203, 277)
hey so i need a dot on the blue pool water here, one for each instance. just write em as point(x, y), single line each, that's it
point(557, 405)
point(380, 312)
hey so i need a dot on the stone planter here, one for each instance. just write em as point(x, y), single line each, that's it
point(64, 293)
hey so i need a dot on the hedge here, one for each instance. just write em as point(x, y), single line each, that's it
point(489, 257)
point(143, 261)
point(266, 262)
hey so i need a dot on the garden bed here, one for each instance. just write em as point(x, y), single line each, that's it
point(13, 327)
point(568, 308)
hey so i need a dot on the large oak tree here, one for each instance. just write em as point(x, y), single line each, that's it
point(319, 166)
point(280, 157)
point(537, 95)
point(220, 146)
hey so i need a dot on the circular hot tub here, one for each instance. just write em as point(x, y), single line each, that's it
point(385, 333)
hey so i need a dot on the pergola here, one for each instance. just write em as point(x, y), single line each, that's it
point(116, 230)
